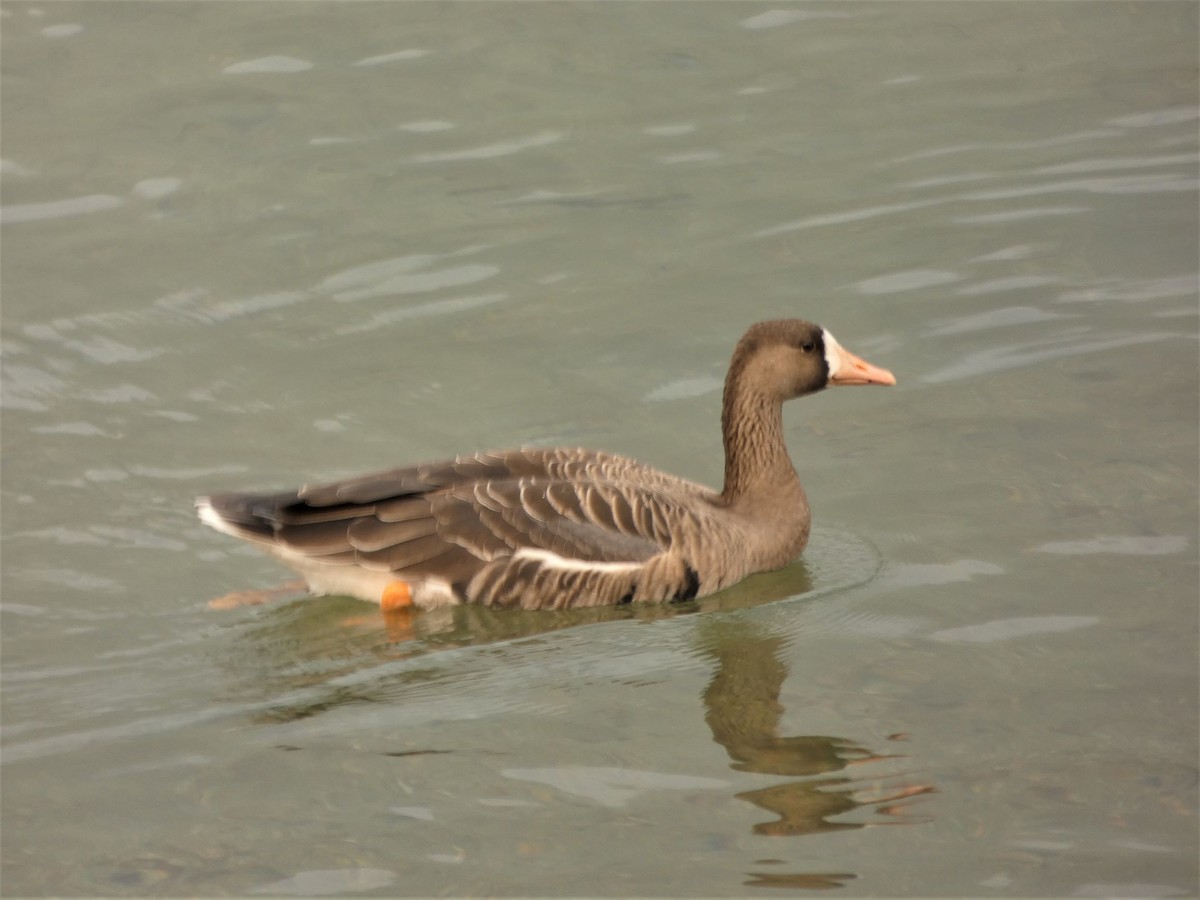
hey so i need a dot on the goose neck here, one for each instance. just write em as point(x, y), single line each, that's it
point(757, 464)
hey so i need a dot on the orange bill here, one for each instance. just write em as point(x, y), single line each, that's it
point(852, 369)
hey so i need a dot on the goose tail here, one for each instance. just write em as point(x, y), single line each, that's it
point(250, 517)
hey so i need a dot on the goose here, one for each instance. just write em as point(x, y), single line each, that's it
point(564, 527)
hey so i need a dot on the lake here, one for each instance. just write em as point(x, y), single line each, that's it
point(247, 246)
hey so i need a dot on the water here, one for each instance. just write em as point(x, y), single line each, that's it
point(248, 245)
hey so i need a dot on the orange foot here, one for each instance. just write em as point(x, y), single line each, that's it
point(397, 604)
point(396, 596)
point(257, 598)
point(397, 607)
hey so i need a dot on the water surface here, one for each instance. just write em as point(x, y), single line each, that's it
point(248, 245)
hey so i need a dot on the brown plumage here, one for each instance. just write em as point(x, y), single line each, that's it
point(557, 528)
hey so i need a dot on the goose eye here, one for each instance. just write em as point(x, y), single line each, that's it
point(808, 346)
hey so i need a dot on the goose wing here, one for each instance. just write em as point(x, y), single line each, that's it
point(448, 519)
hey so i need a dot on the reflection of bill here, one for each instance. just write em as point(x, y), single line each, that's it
point(743, 710)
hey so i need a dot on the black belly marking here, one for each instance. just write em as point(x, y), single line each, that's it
point(691, 586)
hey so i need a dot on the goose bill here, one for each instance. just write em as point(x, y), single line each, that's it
point(852, 369)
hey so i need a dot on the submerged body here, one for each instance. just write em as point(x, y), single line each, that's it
point(560, 528)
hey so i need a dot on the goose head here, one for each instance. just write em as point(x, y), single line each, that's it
point(788, 358)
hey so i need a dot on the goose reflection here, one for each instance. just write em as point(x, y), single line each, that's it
point(306, 645)
point(340, 657)
point(743, 711)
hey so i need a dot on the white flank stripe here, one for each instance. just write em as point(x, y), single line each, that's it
point(553, 560)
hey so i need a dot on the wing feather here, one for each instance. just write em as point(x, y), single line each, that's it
point(534, 502)
point(410, 555)
point(597, 507)
point(319, 538)
point(371, 534)
point(564, 500)
point(450, 519)
point(402, 509)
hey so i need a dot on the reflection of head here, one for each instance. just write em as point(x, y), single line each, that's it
point(804, 807)
point(743, 711)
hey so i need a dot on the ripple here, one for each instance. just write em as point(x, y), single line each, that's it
point(174, 415)
point(1056, 141)
point(21, 609)
point(100, 475)
point(320, 882)
point(560, 198)
point(928, 574)
point(851, 623)
point(997, 318)
point(682, 388)
point(201, 308)
point(371, 277)
point(1008, 629)
point(39, 748)
point(183, 474)
point(57, 209)
point(689, 156)
point(67, 536)
point(1011, 283)
point(1017, 251)
point(1133, 545)
point(610, 786)
point(1132, 890)
point(421, 282)
point(669, 130)
point(1135, 291)
point(776, 18)
point(1173, 115)
point(997, 359)
point(906, 281)
point(392, 57)
point(136, 539)
point(333, 141)
point(121, 393)
point(433, 308)
point(1117, 184)
point(1020, 215)
point(10, 168)
point(268, 65)
point(491, 151)
point(103, 350)
point(423, 813)
point(25, 387)
point(66, 29)
point(373, 273)
point(854, 215)
point(80, 581)
point(82, 429)
point(946, 180)
point(1100, 165)
point(426, 126)
point(503, 802)
point(153, 188)
point(172, 762)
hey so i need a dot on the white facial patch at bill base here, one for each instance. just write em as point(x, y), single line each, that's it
point(833, 353)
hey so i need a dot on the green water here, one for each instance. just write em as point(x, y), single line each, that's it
point(250, 245)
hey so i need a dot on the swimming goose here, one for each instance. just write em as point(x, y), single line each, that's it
point(557, 528)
